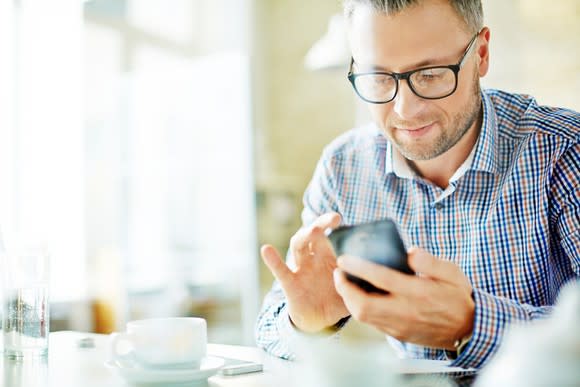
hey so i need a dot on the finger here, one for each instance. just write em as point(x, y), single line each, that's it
point(380, 276)
point(328, 220)
point(349, 292)
point(303, 241)
point(428, 265)
point(301, 244)
point(276, 264)
point(359, 303)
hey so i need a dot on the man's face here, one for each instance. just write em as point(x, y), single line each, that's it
point(428, 34)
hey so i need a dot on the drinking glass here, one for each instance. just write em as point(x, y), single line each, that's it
point(27, 372)
point(25, 315)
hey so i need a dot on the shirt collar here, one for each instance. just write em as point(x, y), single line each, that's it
point(486, 152)
point(483, 156)
point(396, 163)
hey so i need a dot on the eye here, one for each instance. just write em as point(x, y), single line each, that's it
point(430, 75)
point(383, 81)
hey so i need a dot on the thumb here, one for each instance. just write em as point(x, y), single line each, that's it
point(424, 263)
point(420, 260)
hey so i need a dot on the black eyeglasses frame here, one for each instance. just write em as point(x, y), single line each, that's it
point(406, 75)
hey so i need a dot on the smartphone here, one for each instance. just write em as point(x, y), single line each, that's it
point(234, 367)
point(377, 241)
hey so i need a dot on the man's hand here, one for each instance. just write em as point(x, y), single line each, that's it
point(433, 308)
point(313, 303)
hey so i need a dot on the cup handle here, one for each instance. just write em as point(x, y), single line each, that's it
point(116, 339)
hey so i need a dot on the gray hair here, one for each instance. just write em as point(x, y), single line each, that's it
point(470, 11)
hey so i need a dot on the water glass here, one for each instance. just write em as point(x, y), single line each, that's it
point(27, 372)
point(25, 314)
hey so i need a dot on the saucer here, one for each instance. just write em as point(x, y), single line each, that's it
point(135, 373)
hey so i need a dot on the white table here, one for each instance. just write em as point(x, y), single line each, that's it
point(69, 365)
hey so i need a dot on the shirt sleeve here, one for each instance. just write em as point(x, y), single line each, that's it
point(274, 331)
point(565, 204)
point(492, 313)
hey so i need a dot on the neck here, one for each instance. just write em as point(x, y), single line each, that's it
point(441, 168)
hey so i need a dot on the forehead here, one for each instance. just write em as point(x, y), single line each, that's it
point(428, 31)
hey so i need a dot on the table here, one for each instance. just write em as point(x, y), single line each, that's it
point(69, 364)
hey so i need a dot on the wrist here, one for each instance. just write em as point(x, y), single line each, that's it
point(467, 328)
point(329, 330)
point(458, 347)
point(465, 333)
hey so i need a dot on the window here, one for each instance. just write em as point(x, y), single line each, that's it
point(128, 144)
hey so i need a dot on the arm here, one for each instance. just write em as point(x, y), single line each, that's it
point(303, 297)
point(492, 313)
point(274, 331)
point(492, 316)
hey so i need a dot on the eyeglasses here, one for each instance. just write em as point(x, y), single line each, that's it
point(432, 82)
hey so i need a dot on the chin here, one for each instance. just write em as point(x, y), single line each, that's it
point(416, 154)
point(415, 151)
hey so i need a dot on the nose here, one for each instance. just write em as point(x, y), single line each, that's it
point(406, 104)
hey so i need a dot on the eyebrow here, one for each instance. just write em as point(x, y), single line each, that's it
point(417, 65)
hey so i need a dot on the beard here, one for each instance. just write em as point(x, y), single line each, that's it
point(447, 137)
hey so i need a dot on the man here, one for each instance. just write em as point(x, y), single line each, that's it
point(484, 185)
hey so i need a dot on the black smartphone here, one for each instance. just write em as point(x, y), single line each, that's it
point(377, 241)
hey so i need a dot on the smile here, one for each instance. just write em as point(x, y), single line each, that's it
point(416, 132)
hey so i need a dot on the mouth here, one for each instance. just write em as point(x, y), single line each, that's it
point(416, 131)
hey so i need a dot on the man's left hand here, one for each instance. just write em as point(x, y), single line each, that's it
point(433, 308)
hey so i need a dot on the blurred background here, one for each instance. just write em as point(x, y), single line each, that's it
point(153, 145)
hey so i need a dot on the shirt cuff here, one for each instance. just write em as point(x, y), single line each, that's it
point(298, 340)
point(285, 326)
point(492, 315)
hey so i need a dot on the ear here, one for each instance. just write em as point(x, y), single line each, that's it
point(483, 51)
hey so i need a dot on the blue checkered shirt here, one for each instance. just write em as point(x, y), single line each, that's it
point(510, 217)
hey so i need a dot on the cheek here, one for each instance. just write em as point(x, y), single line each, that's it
point(463, 90)
point(468, 82)
point(380, 113)
point(448, 108)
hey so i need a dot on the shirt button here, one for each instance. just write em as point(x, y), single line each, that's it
point(438, 206)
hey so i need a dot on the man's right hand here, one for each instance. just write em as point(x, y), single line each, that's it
point(312, 300)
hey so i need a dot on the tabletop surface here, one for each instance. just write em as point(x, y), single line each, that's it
point(71, 362)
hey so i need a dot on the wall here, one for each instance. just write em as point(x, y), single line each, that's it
point(297, 112)
point(534, 49)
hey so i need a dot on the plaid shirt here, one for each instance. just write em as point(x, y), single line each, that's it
point(510, 217)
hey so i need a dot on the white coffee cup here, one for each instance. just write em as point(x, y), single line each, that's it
point(172, 342)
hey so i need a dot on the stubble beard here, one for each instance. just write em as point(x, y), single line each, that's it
point(448, 137)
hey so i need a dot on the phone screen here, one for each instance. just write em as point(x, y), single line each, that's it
point(377, 241)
